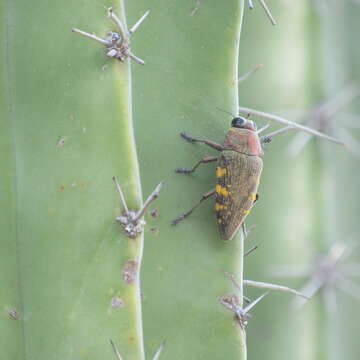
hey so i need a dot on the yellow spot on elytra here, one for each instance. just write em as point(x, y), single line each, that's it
point(246, 212)
point(220, 172)
point(252, 196)
point(221, 190)
point(219, 221)
point(218, 207)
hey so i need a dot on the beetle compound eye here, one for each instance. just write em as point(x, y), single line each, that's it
point(238, 122)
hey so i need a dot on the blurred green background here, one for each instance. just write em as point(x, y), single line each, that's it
point(308, 201)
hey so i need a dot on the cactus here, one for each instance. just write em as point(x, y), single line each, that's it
point(68, 130)
point(182, 273)
point(78, 113)
point(70, 274)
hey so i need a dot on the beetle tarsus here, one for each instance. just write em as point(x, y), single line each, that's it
point(185, 215)
point(212, 144)
point(187, 136)
point(183, 171)
point(265, 139)
point(181, 217)
point(204, 160)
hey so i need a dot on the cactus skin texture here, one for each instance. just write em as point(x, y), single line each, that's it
point(66, 129)
point(191, 69)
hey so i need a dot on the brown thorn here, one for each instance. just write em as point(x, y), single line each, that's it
point(250, 250)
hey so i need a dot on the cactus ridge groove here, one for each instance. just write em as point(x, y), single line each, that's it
point(11, 121)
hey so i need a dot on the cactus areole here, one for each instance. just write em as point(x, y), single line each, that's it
point(237, 175)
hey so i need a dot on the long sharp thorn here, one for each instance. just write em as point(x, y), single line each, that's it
point(268, 12)
point(340, 251)
point(340, 100)
point(118, 23)
point(138, 23)
point(250, 4)
point(122, 198)
point(116, 351)
point(298, 143)
point(249, 73)
point(153, 196)
point(288, 122)
point(310, 288)
point(250, 250)
point(135, 58)
point(159, 350)
point(268, 137)
point(251, 305)
point(264, 285)
point(313, 286)
point(263, 128)
point(91, 36)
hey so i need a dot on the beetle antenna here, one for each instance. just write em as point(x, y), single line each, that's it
point(227, 112)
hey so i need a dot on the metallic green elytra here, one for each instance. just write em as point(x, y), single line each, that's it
point(237, 175)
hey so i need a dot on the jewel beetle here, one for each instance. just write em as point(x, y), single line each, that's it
point(238, 171)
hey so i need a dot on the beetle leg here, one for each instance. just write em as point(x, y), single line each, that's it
point(204, 160)
point(212, 144)
point(185, 215)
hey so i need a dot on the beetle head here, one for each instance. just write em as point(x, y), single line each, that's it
point(242, 123)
